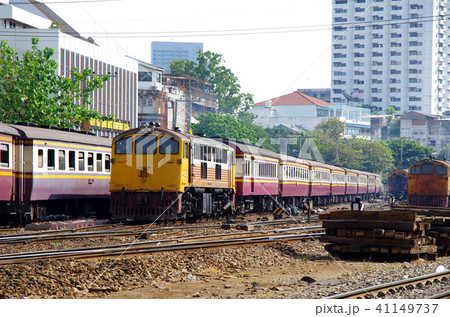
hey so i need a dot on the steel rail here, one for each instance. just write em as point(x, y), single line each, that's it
point(391, 287)
point(46, 236)
point(145, 248)
point(444, 295)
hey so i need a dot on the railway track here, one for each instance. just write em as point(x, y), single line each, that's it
point(46, 236)
point(381, 290)
point(237, 239)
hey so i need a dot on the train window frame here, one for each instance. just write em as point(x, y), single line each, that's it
point(166, 143)
point(107, 163)
point(441, 170)
point(40, 160)
point(204, 170)
point(415, 170)
point(186, 150)
point(51, 159)
point(81, 161)
point(72, 160)
point(150, 140)
point(218, 171)
point(124, 145)
point(425, 170)
point(90, 161)
point(99, 161)
point(61, 160)
point(4, 160)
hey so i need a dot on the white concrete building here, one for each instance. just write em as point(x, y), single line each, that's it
point(118, 97)
point(391, 53)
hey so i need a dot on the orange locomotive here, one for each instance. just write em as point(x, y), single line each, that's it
point(429, 183)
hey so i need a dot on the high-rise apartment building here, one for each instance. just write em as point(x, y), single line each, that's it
point(165, 52)
point(391, 53)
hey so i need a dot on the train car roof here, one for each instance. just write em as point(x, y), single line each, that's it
point(398, 170)
point(31, 132)
point(286, 159)
point(7, 129)
point(251, 149)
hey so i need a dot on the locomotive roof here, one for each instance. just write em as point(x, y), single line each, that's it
point(7, 129)
point(177, 134)
point(431, 160)
point(29, 132)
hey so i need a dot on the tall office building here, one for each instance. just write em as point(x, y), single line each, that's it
point(391, 53)
point(165, 52)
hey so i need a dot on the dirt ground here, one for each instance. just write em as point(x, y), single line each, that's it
point(256, 282)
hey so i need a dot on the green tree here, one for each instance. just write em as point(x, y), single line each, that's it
point(31, 91)
point(225, 84)
point(228, 126)
point(405, 152)
point(390, 110)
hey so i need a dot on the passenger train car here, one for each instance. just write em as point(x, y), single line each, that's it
point(429, 183)
point(49, 171)
point(161, 174)
point(398, 183)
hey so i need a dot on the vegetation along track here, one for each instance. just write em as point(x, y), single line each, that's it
point(382, 290)
point(235, 239)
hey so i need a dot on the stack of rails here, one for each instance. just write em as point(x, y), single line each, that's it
point(377, 233)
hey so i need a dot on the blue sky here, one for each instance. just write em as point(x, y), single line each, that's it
point(272, 47)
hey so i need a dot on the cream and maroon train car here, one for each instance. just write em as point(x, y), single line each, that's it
point(162, 174)
point(257, 185)
point(294, 180)
point(53, 172)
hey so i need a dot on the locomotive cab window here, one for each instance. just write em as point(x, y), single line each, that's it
point(168, 145)
point(441, 170)
point(4, 161)
point(145, 144)
point(427, 169)
point(415, 170)
point(124, 146)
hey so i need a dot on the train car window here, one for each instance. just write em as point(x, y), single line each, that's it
point(415, 170)
point(427, 169)
point(218, 171)
point(40, 158)
point(168, 145)
point(4, 157)
point(81, 161)
point(204, 170)
point(146, 144)
point(51, 159)
point(107, 163)
point(61, 160)
point(441, 170)
point(90, 161)
point(124, 146)
point(99, 162)
point(71, 160)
